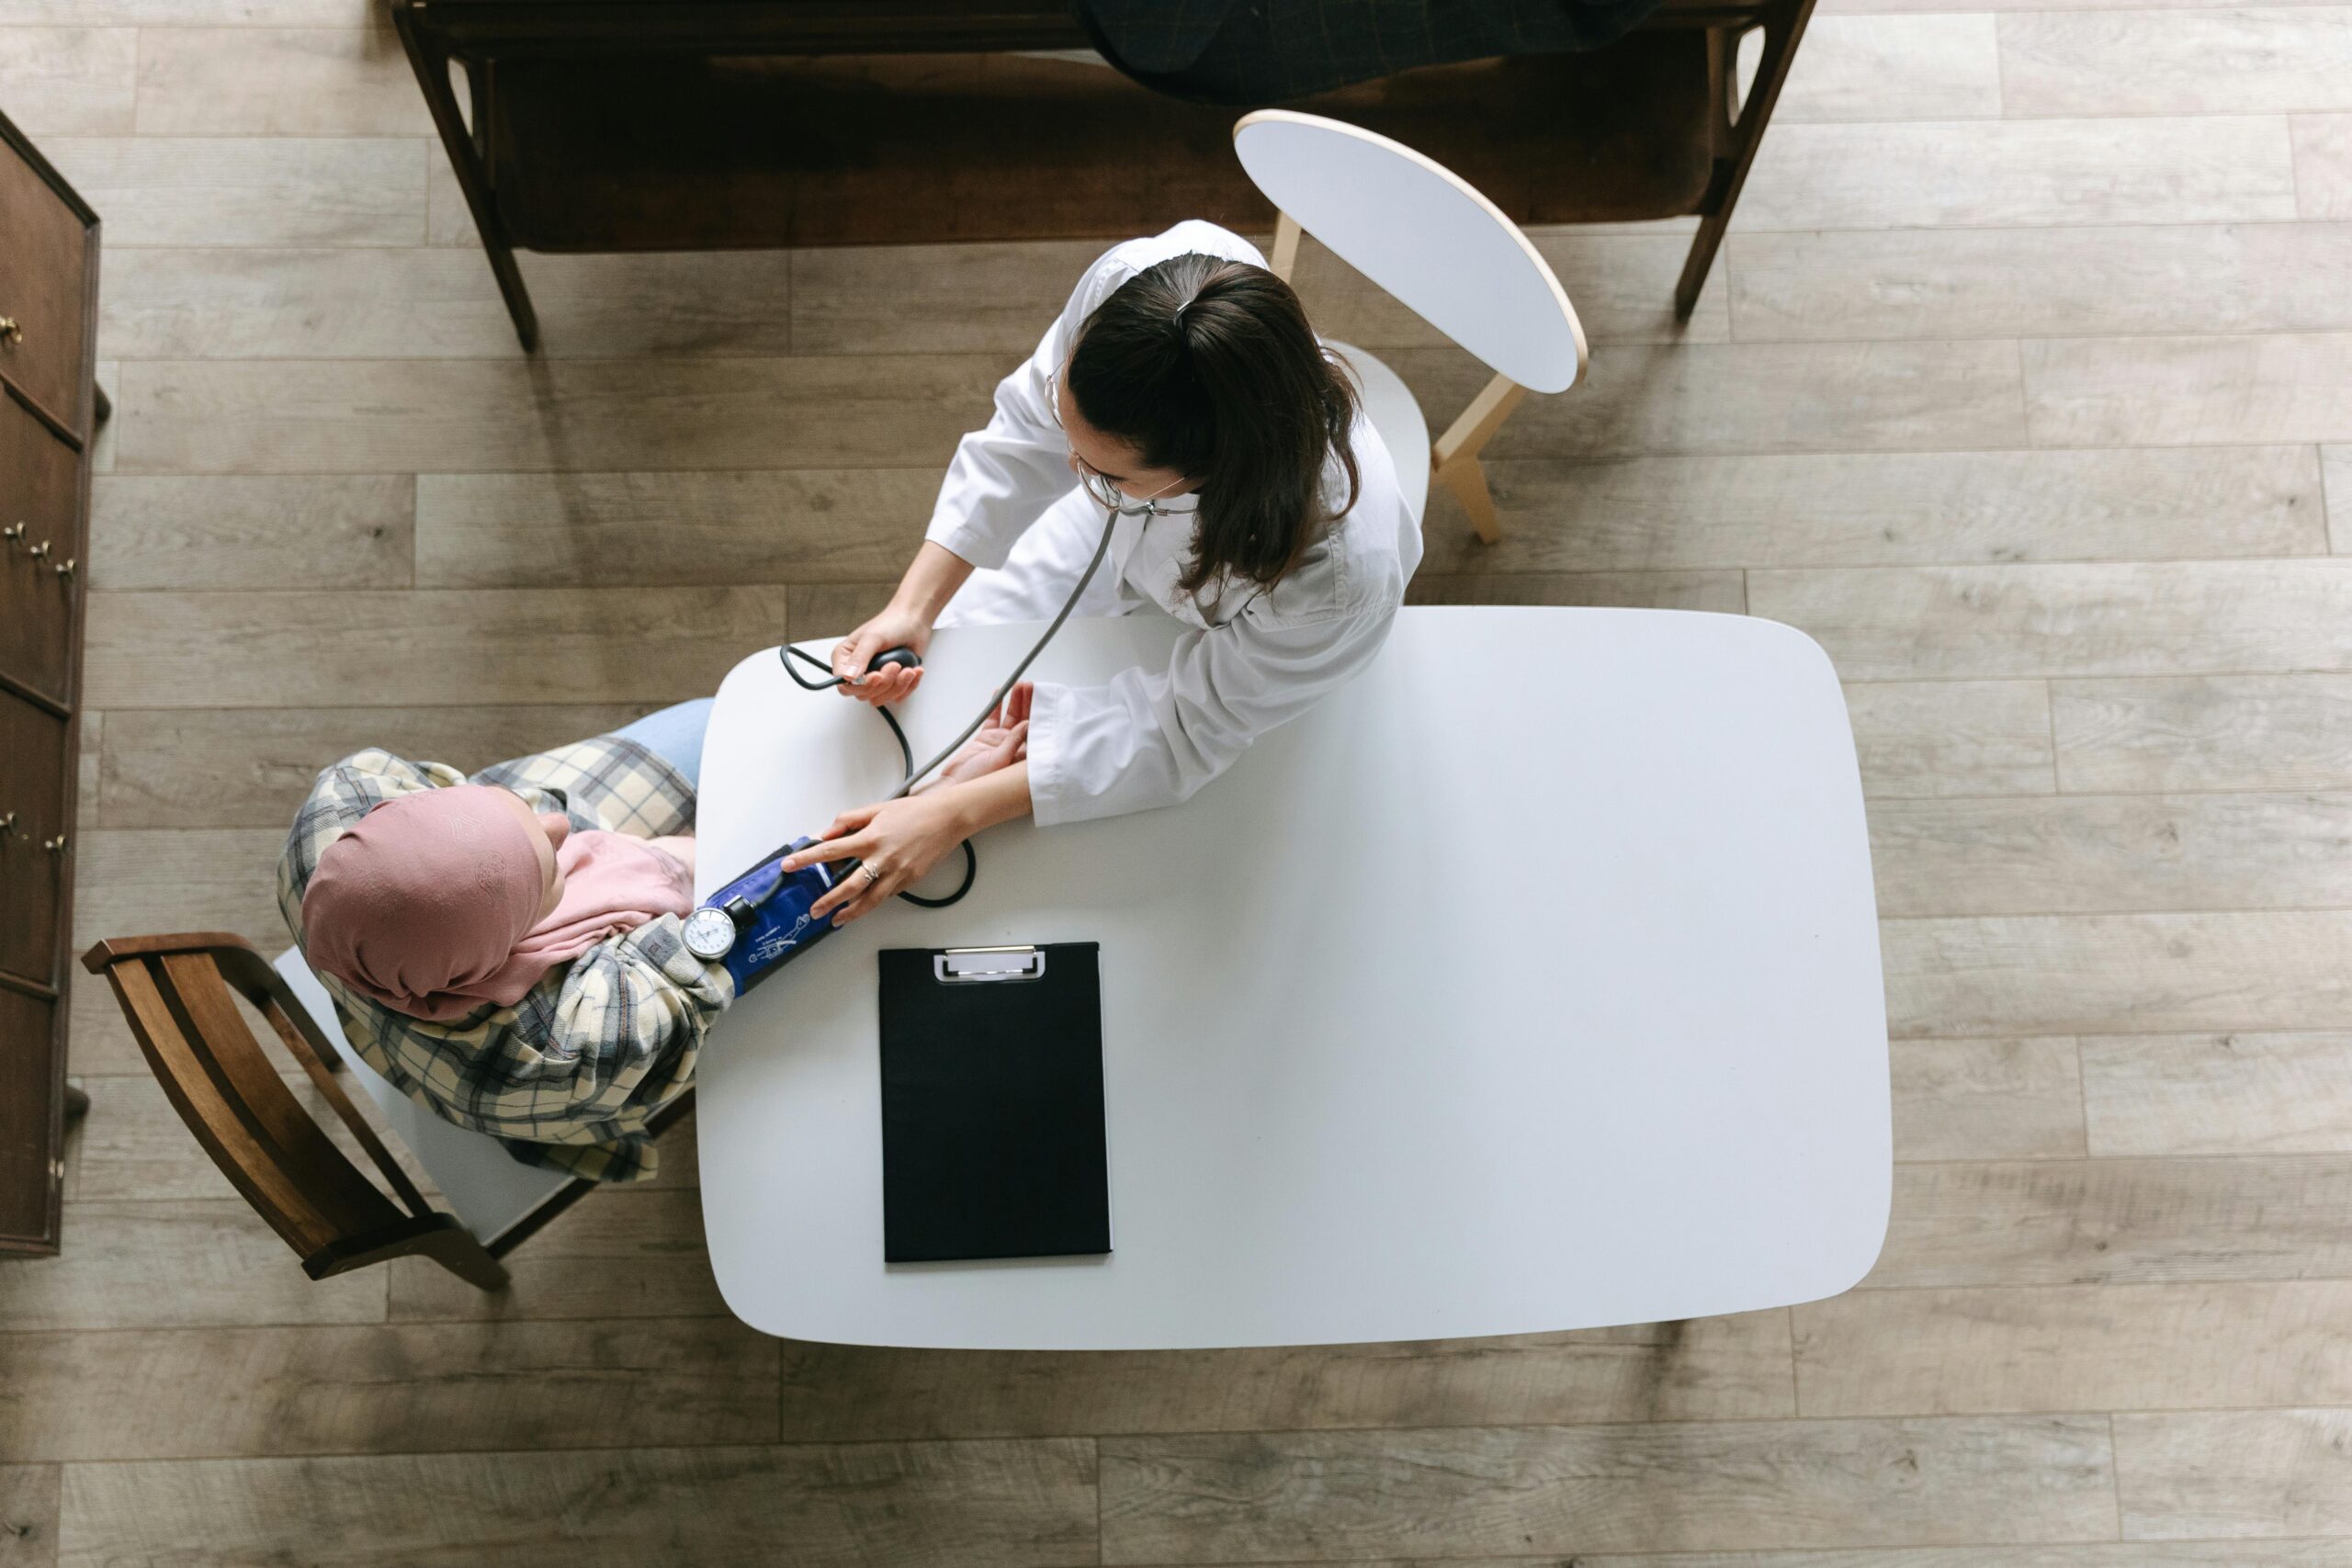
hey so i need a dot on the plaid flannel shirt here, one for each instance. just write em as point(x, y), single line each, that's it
point(567, 1077)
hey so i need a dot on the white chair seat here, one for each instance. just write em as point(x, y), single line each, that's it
point(1397, 414)
point(485, 1187)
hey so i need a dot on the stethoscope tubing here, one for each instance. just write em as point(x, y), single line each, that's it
point(915, 775)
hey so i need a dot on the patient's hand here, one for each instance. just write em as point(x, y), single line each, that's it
point(999, 743)
point(897, 842)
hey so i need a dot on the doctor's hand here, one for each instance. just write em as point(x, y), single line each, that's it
point(894, 628)
point(897, 842)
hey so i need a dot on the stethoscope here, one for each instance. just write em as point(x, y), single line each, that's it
point(719, 925)
point(1116, 504)
point(906, 657)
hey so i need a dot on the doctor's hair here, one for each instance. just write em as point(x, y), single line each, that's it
point(1207, 366)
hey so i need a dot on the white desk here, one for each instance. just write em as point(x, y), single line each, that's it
point(1462, 1006)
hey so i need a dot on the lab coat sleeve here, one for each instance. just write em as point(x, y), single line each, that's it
point(1153, 737)
point(1003, 477)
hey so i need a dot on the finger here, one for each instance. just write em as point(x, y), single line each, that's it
point(857, 680)
point(852, 885)
point(865, 900)
point(860, 909)
point(850, 821)
point(850, 654)
point(833, 847)
point(1016, 707)
point(819, 854)
point(856, 894)
point(884, 686)
point(865, 687)
point(831, 903)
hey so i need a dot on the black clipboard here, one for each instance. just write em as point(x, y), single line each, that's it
point(992, 1123)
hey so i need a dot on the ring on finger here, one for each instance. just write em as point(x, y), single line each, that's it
point(873, 878)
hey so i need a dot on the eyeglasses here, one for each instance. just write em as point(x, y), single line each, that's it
point(1101, 488)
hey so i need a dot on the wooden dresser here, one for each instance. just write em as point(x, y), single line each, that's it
point(50, 409)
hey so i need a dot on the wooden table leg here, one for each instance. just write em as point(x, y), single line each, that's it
point(1747, 134)
point(431, 67)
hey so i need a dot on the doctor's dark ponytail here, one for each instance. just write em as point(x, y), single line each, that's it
point(1207, 368)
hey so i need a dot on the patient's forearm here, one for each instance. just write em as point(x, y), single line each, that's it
point(931, 580)
point(991, 798)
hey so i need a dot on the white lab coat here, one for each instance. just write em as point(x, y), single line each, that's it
point(1010, 506)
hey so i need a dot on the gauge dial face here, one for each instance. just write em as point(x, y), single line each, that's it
point(710, 933)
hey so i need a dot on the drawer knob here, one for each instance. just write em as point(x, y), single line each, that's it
point(13, 533)
point(9, 330)
point(56, 846)
point(8, 826)
point(65, 567)
point(38, 550)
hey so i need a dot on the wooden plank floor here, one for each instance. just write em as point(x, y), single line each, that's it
point(2024, 383)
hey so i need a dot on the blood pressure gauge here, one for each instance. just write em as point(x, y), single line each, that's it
point(763, 919)
point(710, 933)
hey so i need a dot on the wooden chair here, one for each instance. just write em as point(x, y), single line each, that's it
point(1445, 252)
point(176, 992)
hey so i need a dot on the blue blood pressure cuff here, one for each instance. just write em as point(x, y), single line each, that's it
point(759, 922)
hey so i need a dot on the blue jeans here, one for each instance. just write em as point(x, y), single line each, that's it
point(674, 735)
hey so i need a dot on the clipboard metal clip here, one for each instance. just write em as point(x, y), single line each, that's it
point(970, 966)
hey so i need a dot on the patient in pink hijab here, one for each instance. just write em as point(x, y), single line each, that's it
point(447, 899)
point(508, 949)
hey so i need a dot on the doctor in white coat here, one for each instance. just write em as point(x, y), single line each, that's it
point(1182, 396)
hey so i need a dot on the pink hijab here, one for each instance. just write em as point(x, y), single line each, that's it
point(426, 905)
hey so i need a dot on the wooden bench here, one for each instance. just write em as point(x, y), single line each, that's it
point(651, 125)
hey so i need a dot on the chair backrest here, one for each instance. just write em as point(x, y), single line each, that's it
point(176, 992)
point(474, 1174)
point(1422, 234)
